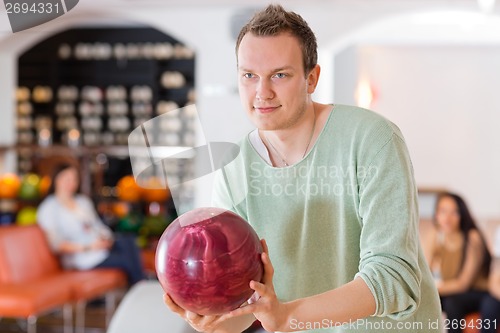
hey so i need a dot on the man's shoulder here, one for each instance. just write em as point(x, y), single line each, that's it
point(356, 116)
point(355, 119)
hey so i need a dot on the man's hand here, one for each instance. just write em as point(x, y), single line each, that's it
point(207, 324)
point(272, 314)
point(233, 322)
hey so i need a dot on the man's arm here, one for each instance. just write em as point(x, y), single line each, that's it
point(355, 298)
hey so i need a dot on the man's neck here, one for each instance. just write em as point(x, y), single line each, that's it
point(289, 145)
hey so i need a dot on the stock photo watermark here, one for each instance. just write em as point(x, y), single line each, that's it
point(26, 14)
point(386, 325)
point(325, 180)
point(365, 324)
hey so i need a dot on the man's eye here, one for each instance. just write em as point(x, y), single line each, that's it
point(280, 75)
point(248, 75)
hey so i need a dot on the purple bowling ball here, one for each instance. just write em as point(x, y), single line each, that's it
point(206, 258)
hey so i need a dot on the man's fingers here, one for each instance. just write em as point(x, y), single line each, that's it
point(261, 289)
point(243, 310)
point(201, 323)
point(172, 306)
point(192, 317)
point(198, 322)
point(264, 245)
point(268, 269)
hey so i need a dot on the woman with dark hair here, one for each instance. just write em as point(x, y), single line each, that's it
point(459, 258)
point(76, 233)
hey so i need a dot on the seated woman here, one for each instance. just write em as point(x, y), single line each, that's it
point(76, 233)
point(490, 308)
point(459, 258)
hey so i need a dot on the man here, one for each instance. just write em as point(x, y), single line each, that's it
point(330, 188)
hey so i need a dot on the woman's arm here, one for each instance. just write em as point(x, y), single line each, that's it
point(69, 247)
point(474, 257)
point(429, 240)
point(104, 231)
point(494, 279)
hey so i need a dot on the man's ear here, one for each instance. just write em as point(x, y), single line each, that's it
point(312, 79)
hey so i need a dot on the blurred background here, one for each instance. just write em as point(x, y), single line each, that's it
point(74, 88)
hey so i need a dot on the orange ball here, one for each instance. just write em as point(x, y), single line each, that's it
point(121, 209)
point(44, 185)
point(9, 186)
point(155, 190)
point(128, 190)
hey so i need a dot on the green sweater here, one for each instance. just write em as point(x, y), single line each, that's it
point(348, 209)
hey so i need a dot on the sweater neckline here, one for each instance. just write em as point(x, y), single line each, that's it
point(313, 148)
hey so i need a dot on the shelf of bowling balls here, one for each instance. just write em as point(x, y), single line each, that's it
point(107, 72)
point(20, 197)
point(145, 220)
point(130, 208)
point(77, 149)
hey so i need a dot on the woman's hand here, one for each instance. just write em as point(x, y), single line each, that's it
point(102, 244)
point(272, 314)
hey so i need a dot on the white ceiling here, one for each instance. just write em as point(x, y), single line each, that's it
point(343, 3)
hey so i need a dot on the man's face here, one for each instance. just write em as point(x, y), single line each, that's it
point(273, 87)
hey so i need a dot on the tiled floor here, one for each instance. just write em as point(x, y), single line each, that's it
point(53, 323)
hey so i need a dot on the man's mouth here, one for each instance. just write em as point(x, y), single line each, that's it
point(266, 109)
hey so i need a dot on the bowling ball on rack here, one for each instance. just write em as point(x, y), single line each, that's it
point(130, 222)
point(29, 189)
point(9, 186)
point(128, 190)
point(44, 185)
point(206, 258)
point(26, 216)
point(153, 190)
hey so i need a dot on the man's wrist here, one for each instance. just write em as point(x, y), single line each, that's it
point(287, 314)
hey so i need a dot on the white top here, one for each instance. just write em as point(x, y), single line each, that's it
point(259, 146)
point(81, 225)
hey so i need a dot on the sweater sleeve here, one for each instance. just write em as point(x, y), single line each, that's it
point(389, 243)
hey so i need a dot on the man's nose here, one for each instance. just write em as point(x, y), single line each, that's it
point(264, 90)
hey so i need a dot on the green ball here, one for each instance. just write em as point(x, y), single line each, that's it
point(129, 223)
point(26, 216)
point(156, 224)
point(30, 185)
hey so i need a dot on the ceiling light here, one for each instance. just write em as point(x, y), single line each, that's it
point(486, 6)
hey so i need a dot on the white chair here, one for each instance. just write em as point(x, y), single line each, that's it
point(143, 310)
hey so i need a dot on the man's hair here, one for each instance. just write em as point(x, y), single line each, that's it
point(275, 20)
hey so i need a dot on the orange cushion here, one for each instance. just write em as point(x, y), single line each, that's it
point(25, 254)
point(94, 283)
point(23, 300)
point(31, 280)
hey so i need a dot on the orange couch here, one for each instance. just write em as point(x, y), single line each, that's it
point(475, 318)
point(33, 283)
